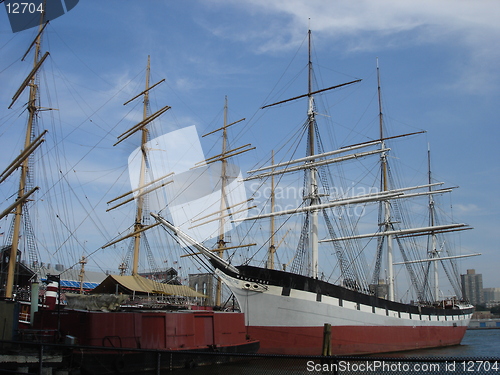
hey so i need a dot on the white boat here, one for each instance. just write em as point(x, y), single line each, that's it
point(286, 309)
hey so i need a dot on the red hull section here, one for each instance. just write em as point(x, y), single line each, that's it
point(183, 330)
point(349, 340)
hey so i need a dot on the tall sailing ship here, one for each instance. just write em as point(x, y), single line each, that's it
point(166, 320)
point(286, 309)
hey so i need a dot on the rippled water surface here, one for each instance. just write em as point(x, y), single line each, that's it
point(476, 344)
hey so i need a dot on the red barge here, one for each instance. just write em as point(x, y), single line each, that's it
point(205, 330)
point(191, 334)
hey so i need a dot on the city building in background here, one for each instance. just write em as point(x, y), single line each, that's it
point(472, 287)
point(203, 283)
point(491, 297)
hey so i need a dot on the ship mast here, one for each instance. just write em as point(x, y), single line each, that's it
point(272, 247)
point(224, 208)
point(29, 147)
point(385, 187)
point(310, 165)
point(313, 184)
point(221, 243)
point(142, 177)
point(433, 252)
point(143, 188)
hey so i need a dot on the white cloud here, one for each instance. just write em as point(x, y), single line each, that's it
point(465, 209)
point(471, 28)
point(387, 16)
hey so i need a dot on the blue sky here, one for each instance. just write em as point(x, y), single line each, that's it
point(439, 67)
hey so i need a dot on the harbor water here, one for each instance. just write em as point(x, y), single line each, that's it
point(465, 358)
point(479, 353)
point(476, 343)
